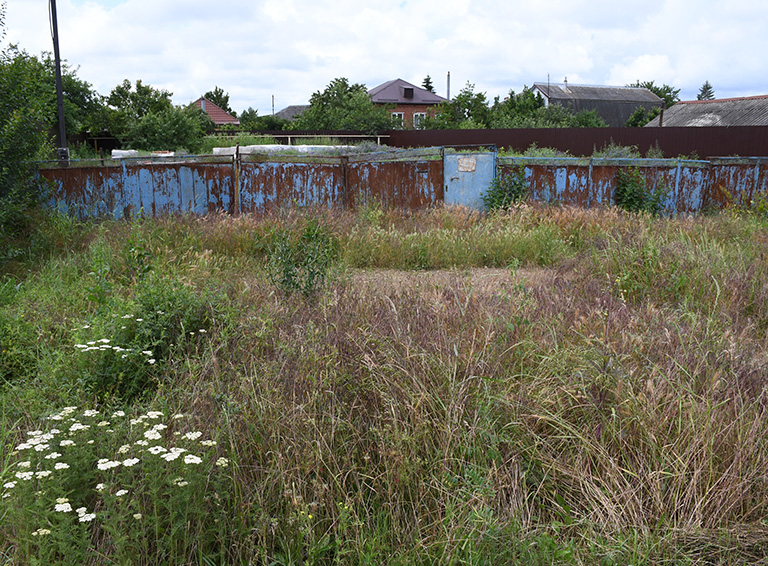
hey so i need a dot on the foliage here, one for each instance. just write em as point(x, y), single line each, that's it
point(467, 110)
point(426, 84)
point(633, 195)
point(250, 120)
point(302, 264)
point(127, 104)
point(600, 399)
point(24, 120)
point(220, 99)
point(506, 190)
point(343, 106)
point(150, 495)
point(528, 110)
point(668, 94)
point(612, 150)
point(706, 92)
point(640, 117)
point(171, 129)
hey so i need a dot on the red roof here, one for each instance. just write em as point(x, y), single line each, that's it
point(219, 116)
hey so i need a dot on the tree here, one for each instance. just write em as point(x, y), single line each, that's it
point(640, 117)
point(173, 128)
point(427, 84)
point(343, 106)
point(706, 92)
point(220, 99)
point(250, 120)
point(24, 138)
point(467, 110)
point(668, 94)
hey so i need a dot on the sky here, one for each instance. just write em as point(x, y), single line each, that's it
point(288, 49)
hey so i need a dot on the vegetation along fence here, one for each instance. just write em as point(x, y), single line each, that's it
point(407, 179)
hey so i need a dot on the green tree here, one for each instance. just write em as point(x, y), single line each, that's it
point(127, 104)
point(173, 128)
point(467, 110)
point(668, 94)
point(640, 117)
point(527, 110)
point(220, 99)
point(426, 84)
point(706, 92)
point(250, 120)
point(343, 106)
point(24, 125)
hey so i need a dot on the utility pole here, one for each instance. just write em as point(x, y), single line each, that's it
point(62, 151)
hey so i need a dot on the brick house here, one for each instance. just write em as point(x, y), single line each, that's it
point(220, 117)
point(410, 104)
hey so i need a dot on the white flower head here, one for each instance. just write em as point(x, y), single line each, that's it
point(222, 462)
point(61, 466)
point(193, 435)
point(63, 507)
point(67, 442)
point(100, 487)
point(9, 485)
point(43, 473)
point(156, 450)
point(118, 414)
point(87, 517)
point(152, 434)
point(208, 443)
point(52, 456)
point(90, 413)
point(130, 462)
point(121, 492)
point(192, 459)
point(41, 532)
point(25, 476)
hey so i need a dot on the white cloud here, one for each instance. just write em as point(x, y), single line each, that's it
point(254, 49)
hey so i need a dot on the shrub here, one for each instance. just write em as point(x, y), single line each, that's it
point(302, 264)
point(506, 190)
point(633, 195)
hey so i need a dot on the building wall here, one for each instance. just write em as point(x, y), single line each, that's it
point(408, 110)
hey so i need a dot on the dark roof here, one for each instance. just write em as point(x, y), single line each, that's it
point(219, 116)
point(614, 104)
point(748, 111)
point(291, 112)
point(399, 91)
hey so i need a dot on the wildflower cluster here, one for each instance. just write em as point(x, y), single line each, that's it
point(108, 470)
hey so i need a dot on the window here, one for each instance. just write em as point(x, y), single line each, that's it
point(418, 120)
point(397, 119)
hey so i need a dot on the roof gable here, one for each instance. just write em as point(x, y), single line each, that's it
point(399, 91)
point(746, 111)
point(219, 116)
point(614, 104)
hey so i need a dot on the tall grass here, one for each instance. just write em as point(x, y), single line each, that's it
point(603, 402)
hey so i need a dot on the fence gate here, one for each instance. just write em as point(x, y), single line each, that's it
point(467, 176)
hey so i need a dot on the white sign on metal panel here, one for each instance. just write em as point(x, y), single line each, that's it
point(467, 164)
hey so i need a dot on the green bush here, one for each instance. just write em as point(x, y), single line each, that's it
point(506, 190)
point(132, 349)
point(633, 195)
point(302, 264)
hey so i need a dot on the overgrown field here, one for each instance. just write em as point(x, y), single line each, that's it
point(262, 391)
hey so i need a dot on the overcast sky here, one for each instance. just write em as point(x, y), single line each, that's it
point(256, 49)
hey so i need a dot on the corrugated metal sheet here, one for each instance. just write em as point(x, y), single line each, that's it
point(726, 112)
point(406, 180)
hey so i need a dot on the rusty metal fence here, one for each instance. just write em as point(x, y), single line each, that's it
point(411, 179)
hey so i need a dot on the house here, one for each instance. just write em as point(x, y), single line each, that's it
point(290, 113)
point(410, 104)
point(747, 111)
point(220, 117)
point(614, 104)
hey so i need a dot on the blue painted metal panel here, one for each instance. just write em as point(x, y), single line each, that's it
point(467, 176)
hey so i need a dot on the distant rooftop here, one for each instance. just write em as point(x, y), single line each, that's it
point(220, 117)
point(399, 91)
point(746, 111)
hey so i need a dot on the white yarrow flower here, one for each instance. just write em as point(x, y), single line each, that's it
point(130, 462)
point(121, 492)
point(61, 466)
point(193, 435)
point(192, 459)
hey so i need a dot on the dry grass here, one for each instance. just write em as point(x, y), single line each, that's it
point(572, 386)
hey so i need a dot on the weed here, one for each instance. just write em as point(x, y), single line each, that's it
point(633, 195)
point(506, 190)
point(302, 264)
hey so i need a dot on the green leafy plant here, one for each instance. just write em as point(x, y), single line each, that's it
point(506, 190)
point(632, 193)
point(302, 264)
point(151, 487)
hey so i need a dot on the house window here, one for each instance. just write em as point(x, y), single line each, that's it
point(418, 120)
point(397, 119)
